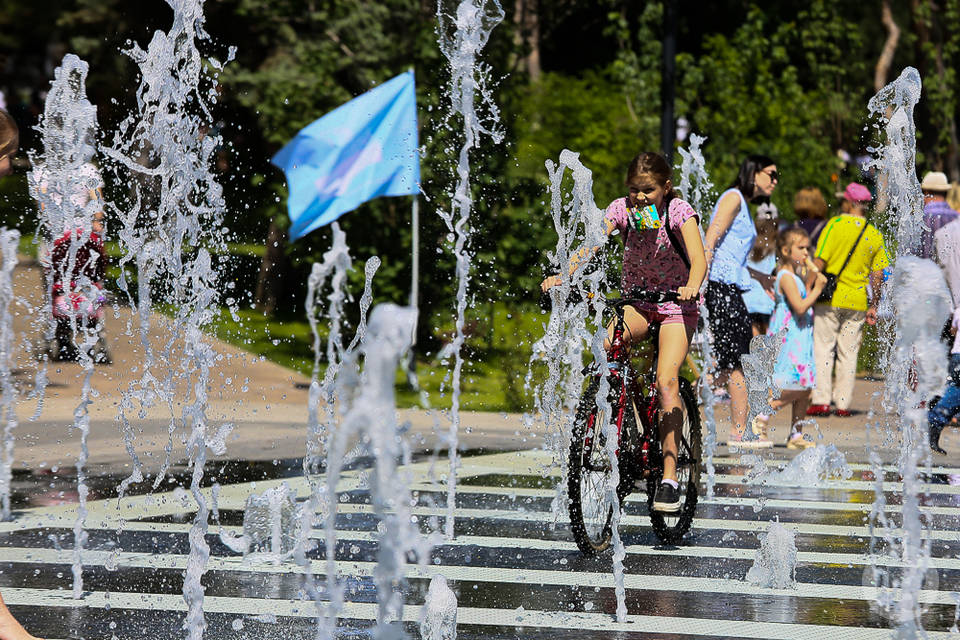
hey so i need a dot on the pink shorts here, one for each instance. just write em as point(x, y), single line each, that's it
point(668, 313)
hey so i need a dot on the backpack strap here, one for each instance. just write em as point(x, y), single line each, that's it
point(673, 239)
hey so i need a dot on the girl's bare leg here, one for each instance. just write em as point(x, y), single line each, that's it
point(737, 388)
point(799, 400)
point(674, 342)
point(799, 410)
point(636, 327)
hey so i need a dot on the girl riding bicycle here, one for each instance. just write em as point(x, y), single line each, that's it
point(657, 257)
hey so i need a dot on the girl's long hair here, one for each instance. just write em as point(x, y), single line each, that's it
point(749, 168)
point(652, 164)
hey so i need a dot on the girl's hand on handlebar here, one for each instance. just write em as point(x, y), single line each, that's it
point(687, 293)
point(549, 282)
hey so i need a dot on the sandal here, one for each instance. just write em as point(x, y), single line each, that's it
point(797, 441)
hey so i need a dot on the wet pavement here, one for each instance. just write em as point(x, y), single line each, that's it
point(514, 566)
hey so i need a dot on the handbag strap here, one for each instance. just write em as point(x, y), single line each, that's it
point(673, 240)
point(853, 248)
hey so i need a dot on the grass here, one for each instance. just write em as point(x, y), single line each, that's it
point(492, 379)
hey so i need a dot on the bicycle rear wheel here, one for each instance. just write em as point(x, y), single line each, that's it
point(670, 527)
point(589, 469)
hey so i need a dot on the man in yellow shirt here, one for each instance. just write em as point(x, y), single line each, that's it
point(838, 322)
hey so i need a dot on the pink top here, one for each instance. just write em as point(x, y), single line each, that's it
point(649, 260)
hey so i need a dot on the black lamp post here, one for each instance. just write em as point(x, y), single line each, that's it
point(667, 121)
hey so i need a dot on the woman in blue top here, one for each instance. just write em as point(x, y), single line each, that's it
point(728, 242)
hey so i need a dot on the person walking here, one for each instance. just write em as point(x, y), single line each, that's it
point(852, 250)
point(728, 242)
point(936, 212)
point(946, 251)
point(10, 628)
point(948, 406)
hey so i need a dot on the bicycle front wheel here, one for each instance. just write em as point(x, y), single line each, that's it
point(670, 527)
point(588, 472)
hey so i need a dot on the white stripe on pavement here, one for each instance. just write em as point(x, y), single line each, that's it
point(519, 617)
point(472, 573)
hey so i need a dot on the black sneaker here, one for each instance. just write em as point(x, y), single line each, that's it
point(935, 439)
point(666, 499)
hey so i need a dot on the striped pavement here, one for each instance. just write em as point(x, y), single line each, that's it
point(516, 571)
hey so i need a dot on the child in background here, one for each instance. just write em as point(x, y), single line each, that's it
point(10, 629)
point(762, 263)
point(794, 371)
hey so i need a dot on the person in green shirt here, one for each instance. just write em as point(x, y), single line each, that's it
point(838, 322)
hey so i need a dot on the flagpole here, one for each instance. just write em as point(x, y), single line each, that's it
point(415, 247)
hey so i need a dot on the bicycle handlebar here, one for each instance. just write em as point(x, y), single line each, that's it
point(633, 296)
point(642, 295)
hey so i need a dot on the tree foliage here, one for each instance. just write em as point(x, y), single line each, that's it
point(790, 79)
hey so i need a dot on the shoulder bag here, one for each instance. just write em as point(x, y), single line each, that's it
point(832, 278)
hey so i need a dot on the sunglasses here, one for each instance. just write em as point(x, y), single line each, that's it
point(773, 175)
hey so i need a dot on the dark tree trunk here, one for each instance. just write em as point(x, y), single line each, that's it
point(271, 269)
point(528, 35)
point(882, 70)
point(929, 53)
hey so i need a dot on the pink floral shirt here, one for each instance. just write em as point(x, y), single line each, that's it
point(649, 260)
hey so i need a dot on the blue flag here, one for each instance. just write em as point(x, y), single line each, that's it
point(361, 150)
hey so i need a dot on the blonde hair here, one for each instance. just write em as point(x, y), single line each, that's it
point(9, 135)
point(953, 196)
point(810, 203)
point(786, 239)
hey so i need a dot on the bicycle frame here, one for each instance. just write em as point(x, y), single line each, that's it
point(634, 412)
point(642, 451)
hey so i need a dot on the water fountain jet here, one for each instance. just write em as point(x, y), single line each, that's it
point(463, 32)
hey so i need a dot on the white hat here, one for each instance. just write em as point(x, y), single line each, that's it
point(935, 181)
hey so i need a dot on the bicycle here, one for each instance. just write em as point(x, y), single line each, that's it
point(639, 457)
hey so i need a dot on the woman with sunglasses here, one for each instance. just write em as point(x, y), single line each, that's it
point(728, 241)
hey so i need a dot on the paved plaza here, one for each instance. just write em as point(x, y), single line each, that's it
point(516, 572)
